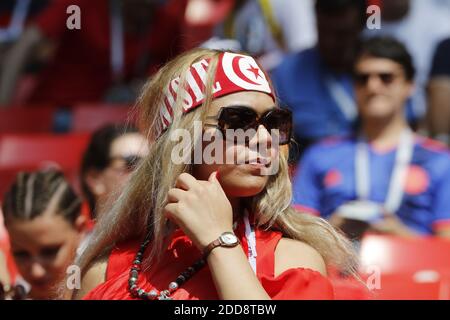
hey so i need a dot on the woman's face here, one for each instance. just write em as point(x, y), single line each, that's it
point(43, 248)
point(244, 177)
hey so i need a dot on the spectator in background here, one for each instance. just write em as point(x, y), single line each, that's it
point(384, 178)
point(316, 83)
point(14, 15)
point(42, 216)
point(119, 41)
point(267, 29)
point(112, 154)
point(420, 25)
point(439, 94)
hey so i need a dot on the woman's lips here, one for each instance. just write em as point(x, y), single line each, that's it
point(260, 164)
point(256, 165)
point(258, 161)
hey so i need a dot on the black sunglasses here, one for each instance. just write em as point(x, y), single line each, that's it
point(242, 117)
point(362, 78)
point(131, 162)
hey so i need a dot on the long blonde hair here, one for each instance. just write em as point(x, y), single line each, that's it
point(139, 209)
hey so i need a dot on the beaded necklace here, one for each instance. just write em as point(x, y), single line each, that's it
point(153, 294)
point(183, 277)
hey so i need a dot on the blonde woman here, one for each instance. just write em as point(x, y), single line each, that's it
point(191, 230)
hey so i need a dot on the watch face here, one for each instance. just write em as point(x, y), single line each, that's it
point(228, 239)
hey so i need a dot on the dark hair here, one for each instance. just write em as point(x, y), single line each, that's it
point(337, 6)
point(389, 48)
point(97, 155)
point(33, 192)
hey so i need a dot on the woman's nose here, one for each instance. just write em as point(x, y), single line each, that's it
point(37, 270)
point(263, 136)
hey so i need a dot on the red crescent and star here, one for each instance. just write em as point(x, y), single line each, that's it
point(240, 74)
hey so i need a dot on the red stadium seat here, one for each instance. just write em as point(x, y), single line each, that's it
point(201, 17)
point(398, 255)
point(411, 287)
point(22, 151)
point(408, 268)
point(31, 152)
point(26, 120)
point(87, 118)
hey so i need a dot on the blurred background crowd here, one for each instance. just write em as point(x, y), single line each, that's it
point(370, 96)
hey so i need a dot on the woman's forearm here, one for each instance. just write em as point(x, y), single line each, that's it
point(232, 275)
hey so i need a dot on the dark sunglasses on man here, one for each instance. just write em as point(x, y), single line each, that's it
point(243, 117)
point(362, 78)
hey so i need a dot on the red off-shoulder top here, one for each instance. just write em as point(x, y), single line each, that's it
point(292, 284)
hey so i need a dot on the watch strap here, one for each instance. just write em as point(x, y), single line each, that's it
point(217, 243)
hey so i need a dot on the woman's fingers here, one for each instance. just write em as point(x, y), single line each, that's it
point(171, 210)
point(213, 177)
point(185, 181)
point(175, 195)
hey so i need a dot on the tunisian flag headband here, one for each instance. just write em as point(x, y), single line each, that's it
point(235, 73)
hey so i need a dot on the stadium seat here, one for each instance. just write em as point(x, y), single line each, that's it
point(408, 268)
point(87, 118)
point(398, 255)
point(26, 120)
point(22, 151)
point(30, 152)
point(201, 18)
point(410, 287)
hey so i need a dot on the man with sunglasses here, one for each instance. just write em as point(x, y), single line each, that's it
point(384, 177)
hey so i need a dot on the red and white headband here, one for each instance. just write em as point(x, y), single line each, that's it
point(235, 73)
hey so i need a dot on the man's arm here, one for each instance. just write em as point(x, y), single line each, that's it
point(15, 61)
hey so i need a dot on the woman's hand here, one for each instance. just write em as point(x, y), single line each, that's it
point(200, 208)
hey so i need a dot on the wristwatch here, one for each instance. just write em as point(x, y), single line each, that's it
point(226, 239)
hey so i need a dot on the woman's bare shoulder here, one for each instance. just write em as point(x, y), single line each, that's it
point(291, 253)
point(94, 276)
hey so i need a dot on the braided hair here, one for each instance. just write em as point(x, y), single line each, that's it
point(32, 193)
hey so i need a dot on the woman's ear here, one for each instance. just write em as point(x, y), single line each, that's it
point(95, 183)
